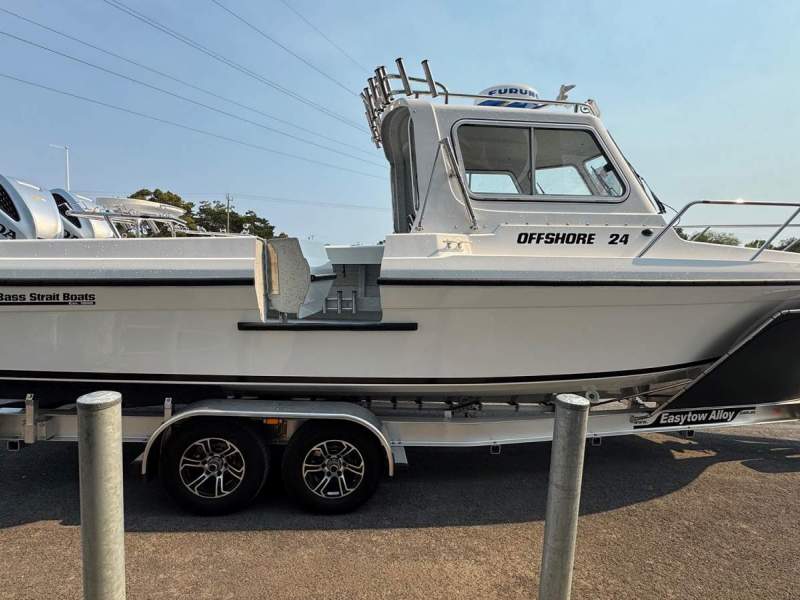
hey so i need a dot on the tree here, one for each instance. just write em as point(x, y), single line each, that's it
point(169, 198)
point(718, 237)
point(212, 215)
point(792, 243)
point(258, 226)
point(710, 237)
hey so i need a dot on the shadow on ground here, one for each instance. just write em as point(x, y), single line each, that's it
point(441, 487)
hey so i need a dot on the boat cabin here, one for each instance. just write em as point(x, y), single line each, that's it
point(470, 168)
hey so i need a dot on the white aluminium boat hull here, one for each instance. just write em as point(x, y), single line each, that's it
point(157, 340)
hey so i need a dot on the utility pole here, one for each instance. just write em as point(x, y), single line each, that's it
point(66, 160)
point(228, 198)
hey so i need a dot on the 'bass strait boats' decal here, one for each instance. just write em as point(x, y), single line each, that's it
point(688, 418)
point(47, 299)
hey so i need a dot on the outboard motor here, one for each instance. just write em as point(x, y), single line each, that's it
point(27, 211)
point(79, 227)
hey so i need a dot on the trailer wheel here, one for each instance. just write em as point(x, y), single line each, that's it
point(214, 467)
point(332, 467)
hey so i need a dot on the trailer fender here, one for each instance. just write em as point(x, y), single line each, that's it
point(282, 409)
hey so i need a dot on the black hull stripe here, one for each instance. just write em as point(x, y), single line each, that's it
point(325, 326)
point(186, 282)
point(173, 282)
point(590, 282)
point(256, 379)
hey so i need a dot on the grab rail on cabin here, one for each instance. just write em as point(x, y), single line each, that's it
point(379, 94)
point(780, 227)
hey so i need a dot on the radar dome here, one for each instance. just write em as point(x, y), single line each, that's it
point(524, 93)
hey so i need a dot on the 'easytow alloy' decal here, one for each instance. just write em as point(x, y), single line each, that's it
point(47, 299)
point(688, 418)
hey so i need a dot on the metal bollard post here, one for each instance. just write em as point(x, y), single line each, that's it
point(102, 521)
point(563, 497)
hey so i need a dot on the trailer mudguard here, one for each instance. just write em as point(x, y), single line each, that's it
point(282, 409)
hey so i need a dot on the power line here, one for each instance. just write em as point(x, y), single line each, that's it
point(228, 62)
point(183, 82)
point(185, 99)
point(187, 127)
point(281, 200)
point(326, 38)
point(268, 37)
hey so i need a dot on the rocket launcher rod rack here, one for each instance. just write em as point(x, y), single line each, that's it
point(379, 94)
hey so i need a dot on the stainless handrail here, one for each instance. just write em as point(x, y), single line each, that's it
point(450, 157)
point(109, 217)
point(765, 246)
point(175, 224)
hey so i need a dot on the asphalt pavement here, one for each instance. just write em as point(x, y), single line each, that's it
point(712, 517)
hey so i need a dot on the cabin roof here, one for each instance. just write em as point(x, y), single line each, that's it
point(381, 98)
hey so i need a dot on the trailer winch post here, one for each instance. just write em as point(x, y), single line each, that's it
point(563, 497)
point(102, 520)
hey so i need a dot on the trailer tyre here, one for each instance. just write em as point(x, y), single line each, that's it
point(214, 467)
point(332, 467)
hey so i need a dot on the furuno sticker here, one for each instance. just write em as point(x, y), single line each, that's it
point(695, 417)
point(47, 299)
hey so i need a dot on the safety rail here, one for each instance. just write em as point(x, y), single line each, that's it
point(379, 94)
point(174, 224)
point(780, 227)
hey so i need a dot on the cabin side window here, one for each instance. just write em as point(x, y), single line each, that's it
point(536, 163)
point(497, 160)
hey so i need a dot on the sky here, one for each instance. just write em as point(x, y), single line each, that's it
point(698, 94)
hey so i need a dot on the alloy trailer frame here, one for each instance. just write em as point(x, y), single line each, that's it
point(381, 429)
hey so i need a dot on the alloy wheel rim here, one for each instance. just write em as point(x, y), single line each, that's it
point(212, 468)
point(333, 469)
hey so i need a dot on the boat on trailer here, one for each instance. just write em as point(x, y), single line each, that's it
point(528, 261)
point(527, 258)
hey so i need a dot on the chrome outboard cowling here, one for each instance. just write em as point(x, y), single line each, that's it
point(27, 211)
point(79, 227)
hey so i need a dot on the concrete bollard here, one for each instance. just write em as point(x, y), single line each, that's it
point(563, 497)
point(102, 520)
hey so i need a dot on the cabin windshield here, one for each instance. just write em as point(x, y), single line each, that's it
point(539, 162)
